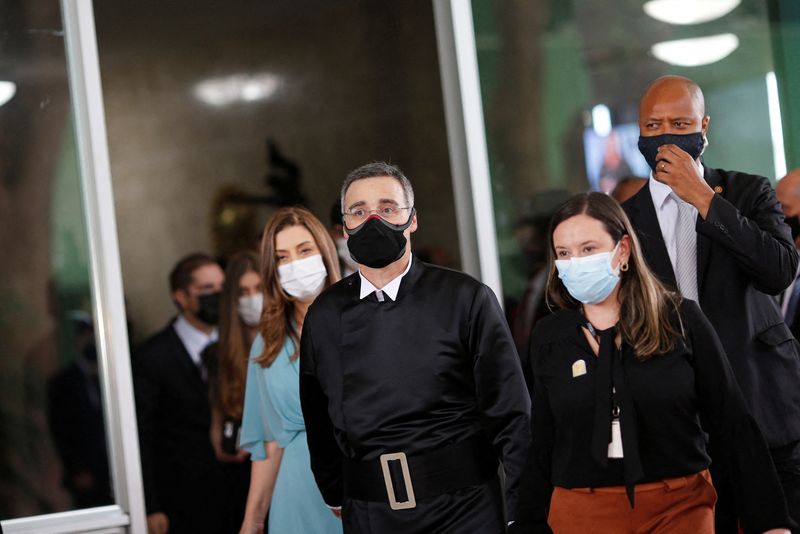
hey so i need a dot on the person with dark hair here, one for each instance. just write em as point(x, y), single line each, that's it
point(627, 379)
point(179, 469)
point(239, 317)
point(626, 187)
point(410, 384)
point(298, 261)
point(75, 415)
point(719, 237)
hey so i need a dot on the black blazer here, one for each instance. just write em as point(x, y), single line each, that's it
point(745, 254)
point(179, 469)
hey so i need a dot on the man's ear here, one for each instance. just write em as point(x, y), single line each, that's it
point(704, 127)
point(413, 227)
point(181, 298)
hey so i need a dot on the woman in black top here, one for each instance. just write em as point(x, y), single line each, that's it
point(627, 379)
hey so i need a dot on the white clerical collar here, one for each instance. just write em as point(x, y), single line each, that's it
point(660, 191)
point(193, 339)
point(389, 289)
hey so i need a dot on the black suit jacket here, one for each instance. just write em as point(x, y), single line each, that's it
point(745, 254)
point(179, 469)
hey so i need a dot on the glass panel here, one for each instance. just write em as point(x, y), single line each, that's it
point(560, 83)
point(53, 454)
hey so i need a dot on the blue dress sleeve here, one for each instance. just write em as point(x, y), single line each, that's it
point(282, 398)
point(255, 428)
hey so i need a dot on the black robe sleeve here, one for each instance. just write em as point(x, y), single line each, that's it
point(500, 388)
point(326, 459)
point(536, 488)
point(734, 434)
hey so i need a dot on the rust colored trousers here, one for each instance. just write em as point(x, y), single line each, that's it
point(675, 505)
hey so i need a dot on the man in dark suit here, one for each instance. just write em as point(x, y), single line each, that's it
point(179, 469)
point(720, 238)
point(75, 415)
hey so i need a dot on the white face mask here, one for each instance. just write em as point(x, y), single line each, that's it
point(303, 279)
point(344, 254)
point(250, 307)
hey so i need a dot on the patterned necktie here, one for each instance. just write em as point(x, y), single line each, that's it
point(685, 249)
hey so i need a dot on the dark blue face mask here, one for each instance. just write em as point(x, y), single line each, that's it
point(693, 144)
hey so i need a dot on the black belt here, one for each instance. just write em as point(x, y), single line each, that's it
point(400, 480)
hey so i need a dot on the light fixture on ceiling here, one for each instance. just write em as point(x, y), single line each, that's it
point(697, 50)
point(775, 126)
point(227, 90)
point(689, 11)
point(7, 91)
point(601, 120)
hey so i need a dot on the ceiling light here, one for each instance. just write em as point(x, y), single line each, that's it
point(601, 120)
point(689, 11)
point(7, 91)
point(776, 126)
point(696, 51)
point(227, 90)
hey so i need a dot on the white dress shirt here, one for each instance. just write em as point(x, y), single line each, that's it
point(667, 213)
point(195, 341)
point(389, 289)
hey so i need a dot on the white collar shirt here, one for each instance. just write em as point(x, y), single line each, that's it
point(390, 289)
point(195, 341)
point(667, 212)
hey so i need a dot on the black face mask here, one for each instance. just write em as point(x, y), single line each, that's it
point(209, 308)
point(693, 144)
point(377, 243)
point(794, 224)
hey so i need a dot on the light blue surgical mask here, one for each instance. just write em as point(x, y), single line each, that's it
point(589, 279)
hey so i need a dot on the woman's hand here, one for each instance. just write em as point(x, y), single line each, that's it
point(778, 531)
point(251, 527)
point(157, 523)
point(239, 457)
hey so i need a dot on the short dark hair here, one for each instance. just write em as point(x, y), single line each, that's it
point(181, 275)
point(375, 170)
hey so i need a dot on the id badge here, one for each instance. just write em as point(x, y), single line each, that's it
point(615, 445)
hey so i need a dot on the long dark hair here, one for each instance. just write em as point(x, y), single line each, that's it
point(646, 305)
point(276, 320)
point(234, 346)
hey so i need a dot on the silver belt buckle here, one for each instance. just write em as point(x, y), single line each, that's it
point(387, 479)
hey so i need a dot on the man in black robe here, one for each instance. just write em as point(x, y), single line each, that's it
point(411, 386)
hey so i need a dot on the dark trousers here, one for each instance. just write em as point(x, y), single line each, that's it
point(787, 465)
point(477, 509)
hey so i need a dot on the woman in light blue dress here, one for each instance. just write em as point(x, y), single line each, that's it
point(298, 261)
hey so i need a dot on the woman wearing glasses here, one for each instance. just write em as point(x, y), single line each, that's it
point(627, 379)
point(298, 261)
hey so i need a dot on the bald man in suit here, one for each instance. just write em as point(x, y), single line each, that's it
point(720, 238)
